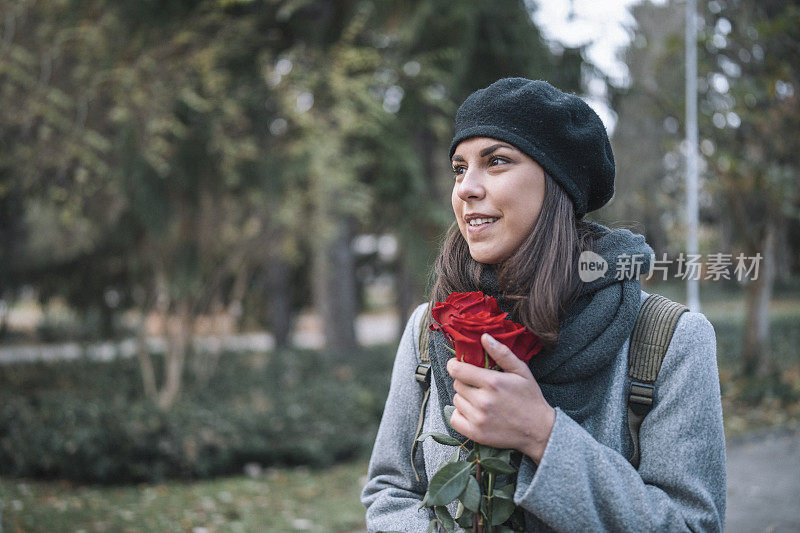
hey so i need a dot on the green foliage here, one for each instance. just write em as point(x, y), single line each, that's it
point(754, 114)
point(174, 153)
point(470, 497)
point(86, 421)
point(441, 438)
point(448, 482)
point(483, 485)
point(156, 117)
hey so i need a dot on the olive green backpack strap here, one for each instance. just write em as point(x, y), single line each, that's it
point(423, 377)
point(650, 339)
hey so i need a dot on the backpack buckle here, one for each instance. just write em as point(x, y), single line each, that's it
point(641, 396)
point(423, 375)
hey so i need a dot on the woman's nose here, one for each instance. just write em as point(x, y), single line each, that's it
point(471, 186)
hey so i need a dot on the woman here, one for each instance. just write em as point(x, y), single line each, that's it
point(529, 162)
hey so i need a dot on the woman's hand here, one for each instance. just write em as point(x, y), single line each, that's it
point(501, 409)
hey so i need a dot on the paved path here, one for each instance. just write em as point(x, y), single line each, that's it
point(764, 482)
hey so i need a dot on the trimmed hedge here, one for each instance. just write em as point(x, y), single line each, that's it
point(87, 421)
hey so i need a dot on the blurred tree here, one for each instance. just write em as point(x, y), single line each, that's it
point(749, 65)
point(53, 155)
point(193, 158)
point(197, 168)
point(442, 55)
point(647, 134)
point(752, 99)
point(386, 89)
point(157, 182)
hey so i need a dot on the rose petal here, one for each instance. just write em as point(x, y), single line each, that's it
point(464, 316)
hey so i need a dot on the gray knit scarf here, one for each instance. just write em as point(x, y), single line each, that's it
point(573, 375)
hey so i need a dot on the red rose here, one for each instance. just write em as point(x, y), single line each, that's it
point(464, 316)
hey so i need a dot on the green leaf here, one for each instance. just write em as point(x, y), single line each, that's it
point(504, 455)
point(471, 495)
point(432, 526)
point(501, 480)
point(499, 466)
point(448, 483)
point(441, 438)
point(424, 502)
point(448, 412)
point(505, 493)
point(460, 510)
point(472, 455)
point(454, 457)
point(465, 520)
point(444, 516)
point(517, 520)
point(489, 451)
point(501, 510)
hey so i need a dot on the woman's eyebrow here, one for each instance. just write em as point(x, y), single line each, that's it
point(485, 151)
point(492, 148)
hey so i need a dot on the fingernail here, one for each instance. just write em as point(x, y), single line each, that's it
point(492, 340)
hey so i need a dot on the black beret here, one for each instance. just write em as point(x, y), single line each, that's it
point(556, 129)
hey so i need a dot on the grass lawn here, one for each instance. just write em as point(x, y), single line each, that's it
point(296, 499)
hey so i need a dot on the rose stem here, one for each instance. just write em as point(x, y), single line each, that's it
point(490, 498)
point(477, 518)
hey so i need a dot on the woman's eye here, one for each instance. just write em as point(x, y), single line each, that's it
point(497, 159)
point(459, 170)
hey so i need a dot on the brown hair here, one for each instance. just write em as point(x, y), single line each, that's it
point(540, 277)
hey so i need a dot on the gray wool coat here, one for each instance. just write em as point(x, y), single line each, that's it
point(584, 481)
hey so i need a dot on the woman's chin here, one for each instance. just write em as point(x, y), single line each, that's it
point(488, 257)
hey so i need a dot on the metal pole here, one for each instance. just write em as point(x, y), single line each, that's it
point(692, 289)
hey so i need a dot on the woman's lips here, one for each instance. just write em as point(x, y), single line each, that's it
point(475, 230)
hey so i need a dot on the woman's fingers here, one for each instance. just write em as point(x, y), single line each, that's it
point(463, 388)
point(503, 356)
point(469, 374)
point(464, 406)
point(461, 424)
point(502, 409)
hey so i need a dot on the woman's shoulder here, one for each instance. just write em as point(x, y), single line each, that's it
point(415, 319)
point(410, 338)
point(692, 351)
point(690, 325)
point(417, 312)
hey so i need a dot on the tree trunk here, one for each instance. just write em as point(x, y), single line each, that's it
point(5, 310)
point(335, 289)
point(146, 362)
point(158, 303)
point(755, 352)
point(409, 281)
point(279, 301)
point(405, 289)
point(413, 261)
point(178, 337)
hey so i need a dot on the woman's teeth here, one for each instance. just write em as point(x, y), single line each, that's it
point(480, 221)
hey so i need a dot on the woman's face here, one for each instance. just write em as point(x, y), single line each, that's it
point(497, 197)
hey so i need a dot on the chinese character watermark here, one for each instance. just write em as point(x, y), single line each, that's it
point(717, 266)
